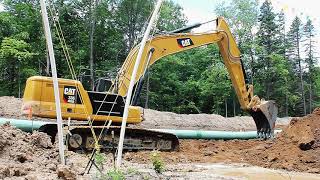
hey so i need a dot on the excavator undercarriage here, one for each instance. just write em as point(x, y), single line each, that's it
point(135, 139)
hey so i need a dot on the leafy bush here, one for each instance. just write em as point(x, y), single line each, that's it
point(158, 164)
point(115, 174)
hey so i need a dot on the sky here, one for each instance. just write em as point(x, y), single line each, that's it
point(203, 10)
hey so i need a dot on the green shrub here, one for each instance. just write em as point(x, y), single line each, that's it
point(115, 174)
point(158, 164)
point(99, 159)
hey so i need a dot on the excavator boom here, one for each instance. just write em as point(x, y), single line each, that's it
point(99, 107)
point(264, 113)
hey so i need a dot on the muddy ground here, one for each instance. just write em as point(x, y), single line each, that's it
point(296, 149)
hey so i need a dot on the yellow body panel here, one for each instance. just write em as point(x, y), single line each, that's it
point(39, 97)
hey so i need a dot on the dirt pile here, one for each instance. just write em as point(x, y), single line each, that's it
point(295, 149)
point(26, 155)
point(10, 107)
point(168, 120)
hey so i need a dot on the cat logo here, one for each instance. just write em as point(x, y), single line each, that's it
point(69, 91)
point(184, 42)
point(69, 94)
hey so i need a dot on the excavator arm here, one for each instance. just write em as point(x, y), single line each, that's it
point(263, 112)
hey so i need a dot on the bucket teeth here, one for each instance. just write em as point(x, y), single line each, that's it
point(265, 116)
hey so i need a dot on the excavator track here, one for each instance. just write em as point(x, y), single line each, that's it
point(80, 138)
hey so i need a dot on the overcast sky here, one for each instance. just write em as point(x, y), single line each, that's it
point(203, 10)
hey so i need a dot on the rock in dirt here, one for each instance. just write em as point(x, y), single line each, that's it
point(66, 173)
point(4, 171)
point(41, 140)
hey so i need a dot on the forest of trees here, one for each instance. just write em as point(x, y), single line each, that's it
point(280, 61)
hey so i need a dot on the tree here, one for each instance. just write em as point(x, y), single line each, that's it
point(281, 49)
point(13, 55)
point(242, 16)
point(311, 60)
point(94, 4)
point(294, 40)
point(171, 17)
point(132, 16)
point(267, 43)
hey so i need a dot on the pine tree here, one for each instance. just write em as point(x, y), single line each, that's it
point(283, 68)
point(294, 40)
point(309, 33)
point(281, 35)
point(267, 42)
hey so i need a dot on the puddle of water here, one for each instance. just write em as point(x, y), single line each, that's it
point(242, 171)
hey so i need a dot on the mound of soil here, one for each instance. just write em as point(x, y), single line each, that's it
point(10, 107)
point(296, 148)
point(27, 156)
point(168, 120)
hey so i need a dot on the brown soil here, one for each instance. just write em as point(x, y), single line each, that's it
point(28, 155)
point(10, 107)
point(297, 148)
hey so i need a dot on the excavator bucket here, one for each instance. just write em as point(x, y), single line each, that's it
point(265, 116)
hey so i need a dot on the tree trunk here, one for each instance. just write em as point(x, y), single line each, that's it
point(234, 107)
point(147, 90)
point(48, 64)
point(301, 79)
point(287, 104)
point(92, 29)
point(310, 99)
point(226, 106)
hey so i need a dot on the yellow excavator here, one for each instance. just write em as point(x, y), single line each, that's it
point(79, 104)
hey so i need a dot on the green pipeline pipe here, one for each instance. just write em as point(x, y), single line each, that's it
point(199, 134)
point(24, 125)
point(28, 126)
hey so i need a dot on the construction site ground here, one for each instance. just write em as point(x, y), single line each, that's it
point(292, 154)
